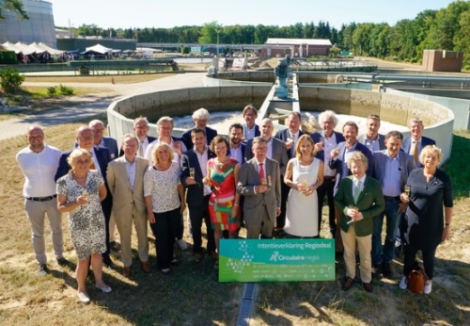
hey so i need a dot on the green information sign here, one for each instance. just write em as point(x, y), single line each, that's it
point(245, 260)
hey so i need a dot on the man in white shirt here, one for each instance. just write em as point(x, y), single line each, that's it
point(250, 128)
point(38, 163)
point(141, 129)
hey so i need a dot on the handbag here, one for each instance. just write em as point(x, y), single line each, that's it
point(416, 279)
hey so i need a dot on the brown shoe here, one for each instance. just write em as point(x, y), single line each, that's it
point(214, 255)
point(145, 266)
point(348, 282)
point(367, 287)
point(126, 271)
point(277, 231)
point(197, 257)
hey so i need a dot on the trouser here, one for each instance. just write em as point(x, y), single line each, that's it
point(281, 219)
point(106, 206)
point(112, 228)
point(264, 227)
point(364, 245)
point(410, 260)
point(385, 254)
point(180, 228)
point(327, 189)
point(197, 214)
point(124, 221)
point(164, 229)
point(36, 212)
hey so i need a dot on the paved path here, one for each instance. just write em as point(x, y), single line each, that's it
point(14, 127)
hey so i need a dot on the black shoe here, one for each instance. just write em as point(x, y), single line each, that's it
point(63, 262)
point(115, 246)
point(386, 270)
point(109, 263)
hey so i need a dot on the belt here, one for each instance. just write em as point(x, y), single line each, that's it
point(327, 177)
point(41, 198)
point(392, 198)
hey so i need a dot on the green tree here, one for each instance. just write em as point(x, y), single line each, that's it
point(209, 33)
point(12, 5)
point(461, 38)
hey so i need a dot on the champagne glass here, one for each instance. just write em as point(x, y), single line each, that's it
point(355, 209)
point(408, 190)
point(264, 182)
point(192, 172)
point(303, 186)
point(85, 195)
point(270, 183)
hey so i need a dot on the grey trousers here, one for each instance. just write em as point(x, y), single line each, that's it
point(36, 212)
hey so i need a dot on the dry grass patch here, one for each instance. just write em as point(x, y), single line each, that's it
point(118, 79)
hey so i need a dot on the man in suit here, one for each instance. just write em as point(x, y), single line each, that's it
point(101, 158)
point(111, 144)
point(391, 168)
point(141, 129)
point(325, 141)
point(289, 136)
point(197, 193)
point(259, 182)
point(165, 128)
point(359, 199)
point(125, 178)
point(250, 128)
point(200, 118)
point(237, 147)
point(338, 161)
point(372, 139)
point(416, 142)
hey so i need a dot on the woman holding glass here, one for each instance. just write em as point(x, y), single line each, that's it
point(304, 174)
point(222, 177)
point(429, 213)
point(80, 193)
point(164, 198)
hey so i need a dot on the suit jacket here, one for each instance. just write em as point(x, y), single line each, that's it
point(380, 166)
point(243, 147)
point(342, 170)
point(253, 205)
point(279, 153)
point(319, 136)
point(425, 141)
point(257, 131)
point(120, 187)
point(194, 193)
point(362, 139)
point(370, 203)
point(102, 155)
point(149, 140)
point(283, 135)
point(109, 143)
point(186, 137)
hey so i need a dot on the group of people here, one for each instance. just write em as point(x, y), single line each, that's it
point(272, 184)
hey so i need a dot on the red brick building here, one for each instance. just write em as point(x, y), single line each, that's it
point(442, 60)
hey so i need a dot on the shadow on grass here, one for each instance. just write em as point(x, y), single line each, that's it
point(458, 164)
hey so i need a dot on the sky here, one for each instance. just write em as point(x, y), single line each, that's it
point(170, 13)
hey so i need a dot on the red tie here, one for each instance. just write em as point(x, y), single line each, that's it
point(261, 172)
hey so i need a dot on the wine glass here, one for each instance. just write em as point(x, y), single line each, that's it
point(407, 190)
point(192, 172)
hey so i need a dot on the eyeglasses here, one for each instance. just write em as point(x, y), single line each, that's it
point(83, 161)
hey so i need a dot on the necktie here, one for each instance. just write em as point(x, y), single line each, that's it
point(414, 152)
point(357, 190)
point(261, 173)
point(141, 149)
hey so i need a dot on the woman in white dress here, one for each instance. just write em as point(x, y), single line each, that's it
point(304, 174)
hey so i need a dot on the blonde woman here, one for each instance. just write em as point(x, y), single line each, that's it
point(80, 193)
point(164, 198)
point(304, 174)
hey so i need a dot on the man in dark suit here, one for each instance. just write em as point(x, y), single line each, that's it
point(372, 139)
point(101, 158)
point(338, 161)
point(111, 144)
point(141, 129)
point(325, 141)
point(416, 142)
point(391, 168)
point(276, 148)
point(194, 169)
point(289, 136)
point(259, 183)
point(200, 118)
point(359, 199)
point(250, 128)
point(237, 146)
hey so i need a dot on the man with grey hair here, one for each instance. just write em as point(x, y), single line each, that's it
point(38, 163)
point(141, 128)
point(165, 129)
point(325, 141)
point(416, 142)
point(200, 118)
point(372, 139)
point(250, 128)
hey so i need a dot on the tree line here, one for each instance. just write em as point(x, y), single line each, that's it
point(444, 29)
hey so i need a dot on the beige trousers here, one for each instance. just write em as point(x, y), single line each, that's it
point(364, 246)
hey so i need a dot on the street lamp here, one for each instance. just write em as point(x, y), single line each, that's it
point(217, 31)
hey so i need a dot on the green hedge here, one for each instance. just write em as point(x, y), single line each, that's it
point(7, 57)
